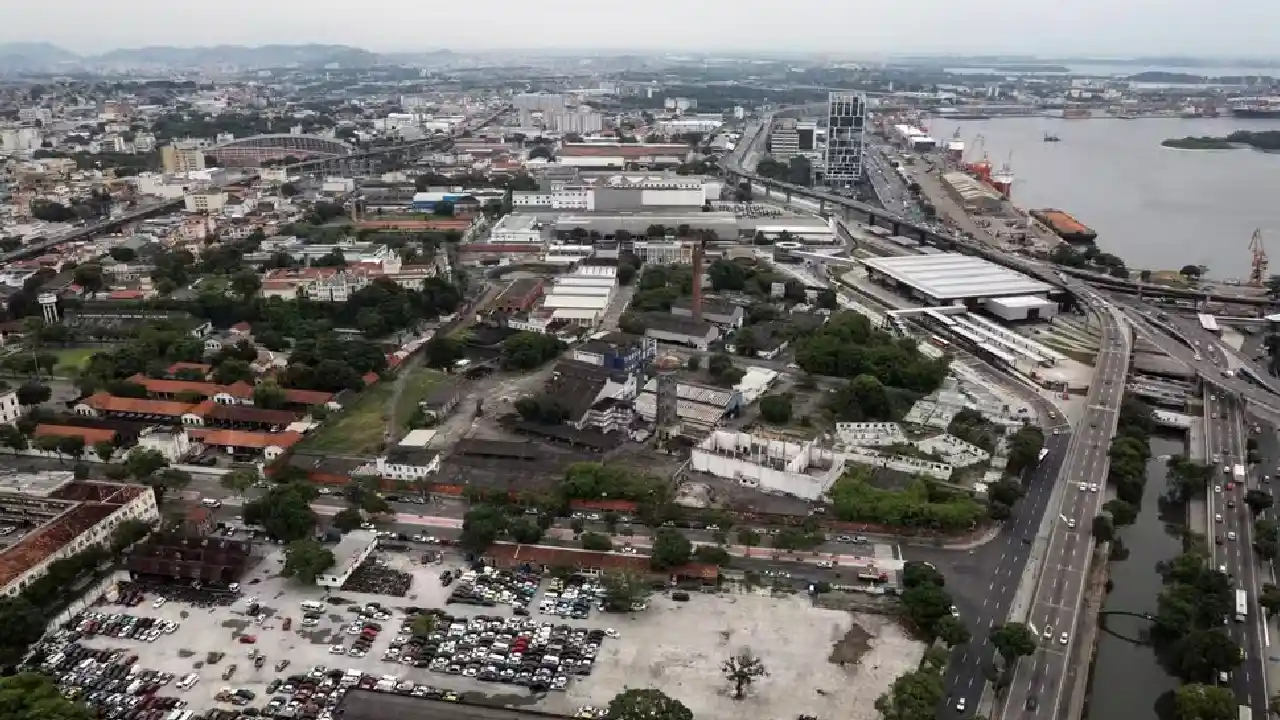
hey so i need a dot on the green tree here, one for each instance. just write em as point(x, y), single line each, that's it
point(525, 531)
point(424, 624)
point(1012, 641)
point(347, 519)
point(748, 537)
point(142, 464)
point(1258, 501)
point(104, 450)
point(1103, 529)
point(916, 573)
point(623, 589)
point(23, 625)
point(32, 696)
point(741, 670)
point(1024, 449)
point(670, 549)
point(925, 606)
point(128, 533)
point(952, 631)
point(1269, 599)
point(284, 512)
point(306, 559)
point(1122, 513)
point(914, 695)
point(239, 481)
point(596, 542)
point(646, 704)
point(1204, 702)
point(776, 409)
point(481, 526)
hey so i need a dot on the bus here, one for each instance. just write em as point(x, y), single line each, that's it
point(1044, 453)
point(1245, 713)
point(940, 342)
point(1209, 323)
point(1242, 605)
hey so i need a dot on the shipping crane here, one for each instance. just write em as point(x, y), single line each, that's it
point(1258, 267)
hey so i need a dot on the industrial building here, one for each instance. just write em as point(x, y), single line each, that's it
point(62, 517)
point(724, 224)
point(956, 279)
point(604, 192)
point(846, 128)
point(913, 138)
point(622, 156)
point(354, 548)
point(798, 469)
point(970, 194)
point(582, 297)
point(699, 408)
point(427, 201)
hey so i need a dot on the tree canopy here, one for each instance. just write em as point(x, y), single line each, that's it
point(645, 704)
point(284, 511)
point(32, 696)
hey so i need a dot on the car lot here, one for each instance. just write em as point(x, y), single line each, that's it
point(482, 649)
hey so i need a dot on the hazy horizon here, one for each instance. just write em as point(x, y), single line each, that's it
point(1085, 28)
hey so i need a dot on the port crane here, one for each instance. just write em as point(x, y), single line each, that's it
point(1258, 267)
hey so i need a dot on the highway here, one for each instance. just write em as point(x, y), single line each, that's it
point(1209, 365)
point(998, 568)
point(1041, 679)
point(1231, 541)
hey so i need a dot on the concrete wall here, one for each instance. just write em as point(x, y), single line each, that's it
point(913, 466)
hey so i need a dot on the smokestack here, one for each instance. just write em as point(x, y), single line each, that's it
point(697, 280)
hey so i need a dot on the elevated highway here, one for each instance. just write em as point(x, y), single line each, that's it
point(736, 172)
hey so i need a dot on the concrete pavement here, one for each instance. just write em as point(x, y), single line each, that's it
point(1231, 542)
point(1040, 679)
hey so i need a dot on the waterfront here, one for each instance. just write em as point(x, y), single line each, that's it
point(1127, 681)
point(1156, 207)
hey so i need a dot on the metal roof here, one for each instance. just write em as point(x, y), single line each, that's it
point(953, 276)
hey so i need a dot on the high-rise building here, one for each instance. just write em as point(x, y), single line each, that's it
point(182, 156)
point(846, 122)
point(784, 141)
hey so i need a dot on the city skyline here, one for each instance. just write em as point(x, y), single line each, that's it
point(1113, 28)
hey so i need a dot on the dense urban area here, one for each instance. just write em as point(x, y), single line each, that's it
point(337, 385)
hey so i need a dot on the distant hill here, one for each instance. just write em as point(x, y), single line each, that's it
point(44, 57)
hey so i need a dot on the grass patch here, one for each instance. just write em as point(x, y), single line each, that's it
point(417, 386)
point(359, 429)
point(72, 359)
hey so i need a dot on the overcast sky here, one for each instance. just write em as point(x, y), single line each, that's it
point(850, 27)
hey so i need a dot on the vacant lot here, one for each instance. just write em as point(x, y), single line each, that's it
point(71, 359)
point(417, 383)
point(360, 428)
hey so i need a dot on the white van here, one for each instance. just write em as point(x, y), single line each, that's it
point(211, 503)
point(312, 606)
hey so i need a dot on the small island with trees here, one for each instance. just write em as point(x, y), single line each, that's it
point(1266, 140)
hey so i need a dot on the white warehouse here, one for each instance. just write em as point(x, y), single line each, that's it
point(802, 470)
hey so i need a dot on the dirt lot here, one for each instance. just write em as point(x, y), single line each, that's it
point(676, 647)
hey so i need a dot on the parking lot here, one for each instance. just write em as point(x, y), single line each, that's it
point(675, 646)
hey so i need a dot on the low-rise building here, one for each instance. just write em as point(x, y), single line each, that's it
point(698, 334)
point(353, 549)
point(65, 517)
point(408, 464)
point(721, 312)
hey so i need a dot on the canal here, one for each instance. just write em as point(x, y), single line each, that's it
point(1127, 681)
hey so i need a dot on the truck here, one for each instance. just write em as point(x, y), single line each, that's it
point(1237, 472)
point(1242, 605)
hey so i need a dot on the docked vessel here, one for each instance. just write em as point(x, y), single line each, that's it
point(955, 148)
point(1050, 137)
point(1076, 113)
point(1065, 226)
point(1260, 107)
point(1002, 180)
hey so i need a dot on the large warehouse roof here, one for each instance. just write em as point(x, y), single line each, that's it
point(953, 276)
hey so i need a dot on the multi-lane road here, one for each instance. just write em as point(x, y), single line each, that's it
point(997, 569)
point(1231, 543)
point(1040, 680)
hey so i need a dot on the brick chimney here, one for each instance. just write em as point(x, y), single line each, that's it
point(697, 280)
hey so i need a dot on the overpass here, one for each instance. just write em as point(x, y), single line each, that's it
point(734, 171)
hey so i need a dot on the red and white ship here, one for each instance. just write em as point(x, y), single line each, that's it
point(1002, 181)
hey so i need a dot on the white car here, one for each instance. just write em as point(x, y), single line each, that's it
point(1083, 486)
point(1093, 487)
point(1062, 639)
point(960, 705)
point(1071, 523)
point(159, 603)
point(1223, 569)
point(1048, 632)
point(1217, 517)
point(1231, 536)
point(1217, 488)
point(337, 650)
point(826, 564)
